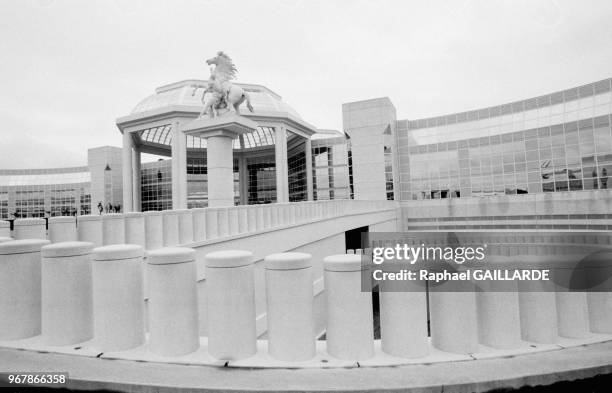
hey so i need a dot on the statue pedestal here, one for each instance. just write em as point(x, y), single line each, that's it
point(219, 134)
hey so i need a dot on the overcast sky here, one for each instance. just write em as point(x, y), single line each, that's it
point(68, 69)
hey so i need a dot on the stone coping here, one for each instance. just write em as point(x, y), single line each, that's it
point(91, 369)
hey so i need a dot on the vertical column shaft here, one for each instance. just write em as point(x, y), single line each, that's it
point(309, 184)
point(179, 168)
point(136, 192)
point(220, 166)
point(128, 144)
point(282, 173)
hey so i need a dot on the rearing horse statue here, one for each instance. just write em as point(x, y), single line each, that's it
point(220, 93)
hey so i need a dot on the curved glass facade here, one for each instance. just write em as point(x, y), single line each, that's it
point(553, 143)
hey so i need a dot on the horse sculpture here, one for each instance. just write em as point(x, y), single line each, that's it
point(220, 93)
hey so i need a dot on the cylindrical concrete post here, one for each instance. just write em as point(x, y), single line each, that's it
point(170, 228)
point(289, 296)
point(403, 315)
point(89, 229)
point(173, 301)
point(199, 224)
point(453, 321)
point(5, 229)
point(20, 293)
point(219, 158)
point(572, 306)
point(233, 221)
point(154, 230)
point(67, 301)
point(599, 296)
point(230, 285)
point(185, 223)
point(497, 305)
point(113, 229)
point(30, 228)
point(212, 226)
point(349, 310)
point(118, 297)
point(62, 229)
point(135, 232)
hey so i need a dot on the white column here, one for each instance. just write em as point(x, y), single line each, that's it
point(128, 144)
point(67, 301)
point(230, 285)
point(20, 292)
point(173, 301)
point(309, 184)
point(289, 298)
point(137, 186)
point(350, 332)
point(117, 295)
point(179, 168)
point(220, 167)
point(243, 176)
point(282, 174)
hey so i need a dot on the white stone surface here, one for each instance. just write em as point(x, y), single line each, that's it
point(173, 301)
point(89, 229)
point(118, 297)
point(212, 227)
point(62, 229)
point(20, 291)
point(453, 325)
point(230, 286)
point(199, 224)
point(170, 228)
point(289, 294)
point(135, 229)
point(154, 230)
point(30, 228)
point(350, 332)
point(185, 226)
point(67, 302)
point(113, 229)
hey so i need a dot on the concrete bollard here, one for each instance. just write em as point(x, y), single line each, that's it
point(289, 296)
point(173, 301)
point(170, 228)
point(118, 297)
point(233, 227)
point(62, 229)
point(67, 302)
point(20, 289)
point(349, 310)
point(230, 285)
point(154, 230)
point(185, 221)
point(199, 224)
point(5, 229)
point(453, 321)
point(599, 297)
point(30, 228)
point(572, 307)
point(537, 301)
point(212, 227)
point(89, 229)
point(403, 315)
point(499, 323)
point(135, 232)
point(113, 229)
